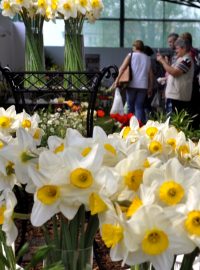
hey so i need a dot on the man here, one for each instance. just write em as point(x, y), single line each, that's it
point(171, 39)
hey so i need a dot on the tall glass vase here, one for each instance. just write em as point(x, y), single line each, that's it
point(74, 45)
point(34, 46)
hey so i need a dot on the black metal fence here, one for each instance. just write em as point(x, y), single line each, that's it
point(36, 89)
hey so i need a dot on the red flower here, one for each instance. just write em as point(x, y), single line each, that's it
point(123, 119)
point(100, 113)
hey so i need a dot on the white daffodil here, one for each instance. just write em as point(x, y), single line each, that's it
point(22, 153)
point(7, 204)
point(96, 4)
point(173, 181)
point(7, 119)
point(144, 196)
point(7, 174)
point(83, 6)
point(67, 8)
point(189, 218)
point(22, 4)
point(111, 152)
point(151, 128)
point(116, 232)
point(158, 241)
point(42, 6)
point(132, 169)
point(8, 9)
point(131, 132)
point(30, 124)
point(70, 185)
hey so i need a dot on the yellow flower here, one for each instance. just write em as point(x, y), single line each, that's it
point(2, 210)
point(26, 123)
point(192, 223)
point(81, 178)
point(155, 242)
point(60, 148)
point(110, 149)
point(171, 192)
point(96, 204)
point(112, 234)
point(5, 122)
point(155, 147)
point(151, 132)
point(133, 179)
point(136, 203)
point(48, 194)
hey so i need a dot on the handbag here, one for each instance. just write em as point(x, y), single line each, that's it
point(126, 76)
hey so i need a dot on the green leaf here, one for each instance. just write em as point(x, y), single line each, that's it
point(40, 255)
point(4, 261)
point(55, 266)
point(23, 250)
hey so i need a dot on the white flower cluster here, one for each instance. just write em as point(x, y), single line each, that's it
point(144, 185)
point(50, 9)
point(57, 123)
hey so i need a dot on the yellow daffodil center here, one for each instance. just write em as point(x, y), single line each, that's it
point(36, 135)
point(126, 132)
point(41, 3)
point(1, 144)
point(183, 149)
point(155, 147)
point(151, 131)
point(54, 4)
point(60, 148)
point(5, 122)
point(67, 6)
point(112, 234)
point(192, 223)
point(6, 5)
point(20, 2)
point(133, 179)
point(155, 242)
point(83, 3)
point(10, 168)
point(48, 194)
point(96, 204)
point(26, 123)
point(2, 210)
point(110, 149)
point(95, 3)
point(81, 178)
point(86, 151)
point(172, 142)
point(136, 203)
point(171, 192)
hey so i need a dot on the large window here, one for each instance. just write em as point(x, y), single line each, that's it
point(123, 21)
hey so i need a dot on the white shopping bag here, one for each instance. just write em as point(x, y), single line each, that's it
point(117, 106)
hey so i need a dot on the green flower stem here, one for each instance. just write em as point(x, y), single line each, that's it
point(9, 256)
point(73, 54)
point(188, 260)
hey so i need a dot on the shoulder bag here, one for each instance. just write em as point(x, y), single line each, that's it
point(126, 76)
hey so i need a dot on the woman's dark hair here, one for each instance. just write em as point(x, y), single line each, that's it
point(148, 50)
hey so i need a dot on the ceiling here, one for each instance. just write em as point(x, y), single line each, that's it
point(190, 3)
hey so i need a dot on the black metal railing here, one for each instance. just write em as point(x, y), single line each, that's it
point(32, 86)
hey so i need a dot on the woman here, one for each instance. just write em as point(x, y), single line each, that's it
point(180, 78)
point(141, 82)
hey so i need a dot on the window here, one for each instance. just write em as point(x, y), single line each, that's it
point(123, 21)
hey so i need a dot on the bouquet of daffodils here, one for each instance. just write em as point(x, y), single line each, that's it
point(142, 185)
